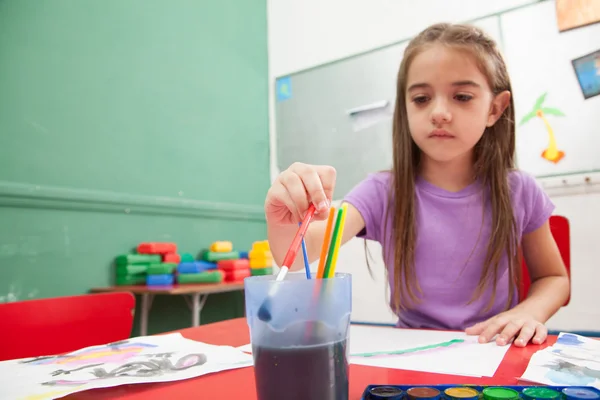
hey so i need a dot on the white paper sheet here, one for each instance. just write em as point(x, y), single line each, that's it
point(142, 359)
point(573, 361)
point(453, 353)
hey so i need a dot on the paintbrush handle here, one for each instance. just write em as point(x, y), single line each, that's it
point(280, 276)
point(293, 250)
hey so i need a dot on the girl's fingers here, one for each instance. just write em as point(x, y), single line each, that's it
point(509, 332)
point(279, 194)
point(541, 333)
point(295, 188)
point(527, 332)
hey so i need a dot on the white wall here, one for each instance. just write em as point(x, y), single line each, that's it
point(307, 33)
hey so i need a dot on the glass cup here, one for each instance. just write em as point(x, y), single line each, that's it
point(302, 351)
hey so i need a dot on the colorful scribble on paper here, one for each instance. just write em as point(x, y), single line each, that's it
point(111, 353)
point(551, 153)
point(138, 360)
point(572, 360)
point(413, 350)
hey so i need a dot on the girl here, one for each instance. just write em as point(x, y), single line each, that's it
point(453, 213)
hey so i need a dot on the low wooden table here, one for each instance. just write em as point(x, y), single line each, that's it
point(194, 294)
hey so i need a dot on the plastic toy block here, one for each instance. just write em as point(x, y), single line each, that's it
point(171, 258)
point(156, 248)
point(203, 277)
point(131, 269)
point(212, 256)
point(260, 254)
point(221, 247)
point(244, 254)
point(137, 259)
point(236, 274)
point(261, 271)
point(122, 280)
point(161, 269)
point(187, 257)
point(261, 263)
point(160, 280)
point(263, 245)
point(228, 265)
point(195, 267)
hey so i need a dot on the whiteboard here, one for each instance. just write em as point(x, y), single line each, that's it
point(539, 61)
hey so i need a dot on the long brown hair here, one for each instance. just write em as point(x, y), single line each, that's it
point(493, 159)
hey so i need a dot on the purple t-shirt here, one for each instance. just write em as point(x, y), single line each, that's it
point(449, 224)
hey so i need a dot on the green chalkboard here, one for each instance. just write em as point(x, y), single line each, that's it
point(124, 121)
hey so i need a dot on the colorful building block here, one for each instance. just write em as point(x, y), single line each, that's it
point(131, 269)
point(156, 248)
point(195, 267)
point(221, 247)
point(186, 257)
point(125, 259)
point(228, 265)
point(160, 280)
point(125, 280)
point(235, 275)
point(261, 263)
point(171, 258)
point(202, 277)
point(261, 271)
point(212, 256)
point(261, 246)
point(260, 254)
point(161, 269)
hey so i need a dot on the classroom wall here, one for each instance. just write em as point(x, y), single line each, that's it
point(307, 34)
point(123, 122)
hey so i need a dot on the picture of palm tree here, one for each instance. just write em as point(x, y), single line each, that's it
point(552, 153)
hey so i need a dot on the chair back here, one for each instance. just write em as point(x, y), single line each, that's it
point(40, 327)
point(559, 226)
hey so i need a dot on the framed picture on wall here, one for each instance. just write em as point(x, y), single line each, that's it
point(571, 14)
point(587, 70)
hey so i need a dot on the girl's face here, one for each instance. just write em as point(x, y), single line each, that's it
point(449, 103)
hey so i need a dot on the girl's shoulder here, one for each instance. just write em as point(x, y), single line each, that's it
point(383, 178)
point(523, 184)
point(531, 204)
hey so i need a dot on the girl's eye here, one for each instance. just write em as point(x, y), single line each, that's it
point(420, 99)
point(463, 97)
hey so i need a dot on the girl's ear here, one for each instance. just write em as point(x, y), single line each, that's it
point(499, 104)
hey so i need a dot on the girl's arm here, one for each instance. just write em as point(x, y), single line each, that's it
point(548, 292)
point(280, 237)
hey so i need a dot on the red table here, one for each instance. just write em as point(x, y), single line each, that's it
point(239, 383)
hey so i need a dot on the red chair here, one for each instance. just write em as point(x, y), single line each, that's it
point(33, 328)
point(559, 226)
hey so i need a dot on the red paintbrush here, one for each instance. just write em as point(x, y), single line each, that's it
point(264, 312)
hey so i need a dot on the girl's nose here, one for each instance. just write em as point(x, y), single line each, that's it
point(440, 114)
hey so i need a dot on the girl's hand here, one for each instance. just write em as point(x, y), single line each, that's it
point(510, 325)
point(295, 188)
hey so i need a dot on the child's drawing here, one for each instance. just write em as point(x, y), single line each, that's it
point(419, 350)
point(573, 360)
point(562, 372)
point(110, 353)
point(157, 365)
point(552, 153)
point(139, 360)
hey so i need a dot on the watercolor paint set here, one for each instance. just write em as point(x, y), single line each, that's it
point(475, 392)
